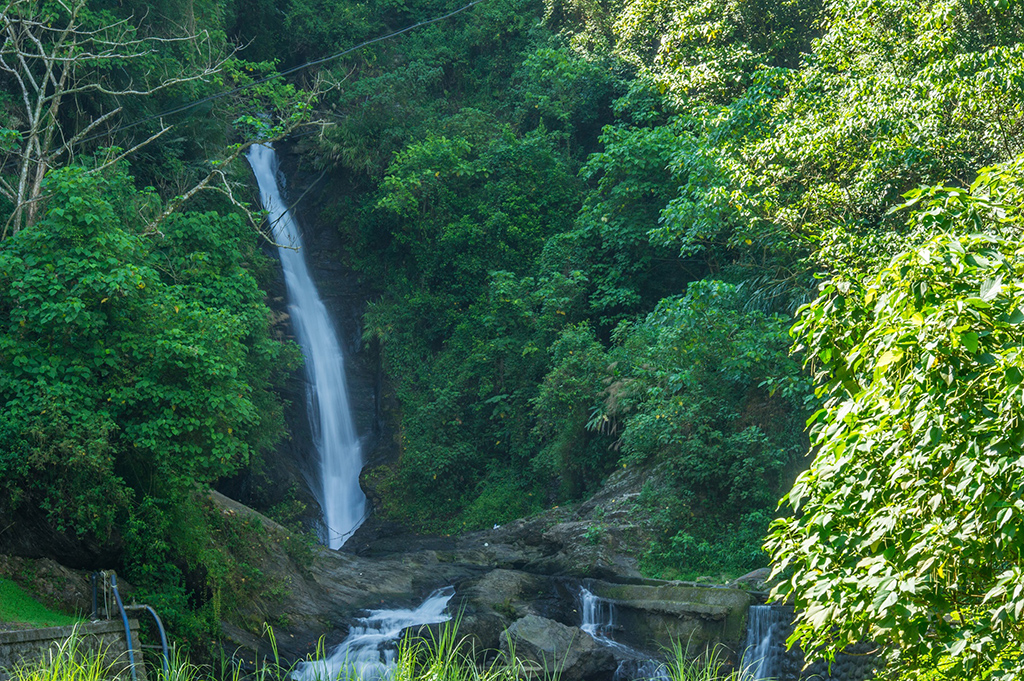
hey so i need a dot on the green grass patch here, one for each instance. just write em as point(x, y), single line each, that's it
point(17, 606)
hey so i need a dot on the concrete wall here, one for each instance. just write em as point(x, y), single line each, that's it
point(29, 646)
point(662, 613)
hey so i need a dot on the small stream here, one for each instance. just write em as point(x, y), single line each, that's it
point(368, 652)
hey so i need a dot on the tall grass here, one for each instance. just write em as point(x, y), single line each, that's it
point(69, 661)
point(445, 657)
point(709, 666)
point(438, 656)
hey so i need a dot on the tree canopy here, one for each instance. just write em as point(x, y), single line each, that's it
point(905, 530)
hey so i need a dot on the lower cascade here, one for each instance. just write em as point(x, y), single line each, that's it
point(598, 620)
point(765, 646)
point(368, 652)
point(598, 616)
point(336, 484)
point(765, 657)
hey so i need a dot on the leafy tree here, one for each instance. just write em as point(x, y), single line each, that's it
point(133, 370)
point(459, 208)
point(700, 390)
point(709, 51)
point(467, 408)
point(61, 61)
point(906, 529)
point(632, 179)
point(563, 91)
point(572, 449)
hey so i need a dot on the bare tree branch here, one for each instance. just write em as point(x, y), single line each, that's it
point(50, 66)
point(67, 146)
point(126, 154)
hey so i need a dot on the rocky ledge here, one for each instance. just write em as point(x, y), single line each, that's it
point(516, 586)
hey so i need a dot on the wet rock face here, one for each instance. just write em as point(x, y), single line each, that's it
point(344, 292)
point(859, 662)
point(558, 649)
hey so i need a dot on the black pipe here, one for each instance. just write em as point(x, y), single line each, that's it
point(94, 578)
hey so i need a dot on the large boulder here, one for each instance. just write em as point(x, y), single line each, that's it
point(318, 594)
point(566, 652)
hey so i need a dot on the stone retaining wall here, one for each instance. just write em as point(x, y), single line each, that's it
point(28, 646)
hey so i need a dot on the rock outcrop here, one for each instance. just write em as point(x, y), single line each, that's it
point(657, 614)
point(559, 650)
point(513, 584)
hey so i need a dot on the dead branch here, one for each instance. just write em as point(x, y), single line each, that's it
point(50, 67)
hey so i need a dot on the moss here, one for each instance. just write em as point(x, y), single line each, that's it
point(17, 606)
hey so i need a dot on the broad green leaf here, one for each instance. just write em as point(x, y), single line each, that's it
point(991, 288)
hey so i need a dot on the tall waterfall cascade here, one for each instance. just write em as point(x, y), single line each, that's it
point(336, 485)
point(368, 652)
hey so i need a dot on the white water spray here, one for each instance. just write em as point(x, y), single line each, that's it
point(760, 657)
point(368, 652)
point(337, 487)
point(598, 616)
point(598, 620)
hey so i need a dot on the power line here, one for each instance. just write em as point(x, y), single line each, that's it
point(286, 72)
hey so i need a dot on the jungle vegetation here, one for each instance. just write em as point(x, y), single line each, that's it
point(607, 233)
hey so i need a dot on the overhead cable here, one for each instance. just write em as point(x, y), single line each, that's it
point(305, 65)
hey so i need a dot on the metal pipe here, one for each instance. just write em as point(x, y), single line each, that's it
point(127, 628)
point(95, 604)
point(163, 634)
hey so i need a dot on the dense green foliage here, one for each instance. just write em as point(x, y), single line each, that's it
point(131, 364)
point(138, 367)
point(725, 155)
point(135, 368)
point(909, 518)
point(589, 235)
point(591, 225)
point(535, 322)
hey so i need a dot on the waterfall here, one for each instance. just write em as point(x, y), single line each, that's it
point(336, 486)
point(762, 654)
point(598, 616)
point(368, 652)
point(598, 620)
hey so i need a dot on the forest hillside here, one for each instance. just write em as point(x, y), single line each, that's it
point(621, 234)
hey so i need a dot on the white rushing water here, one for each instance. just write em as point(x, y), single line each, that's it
point(368, 652)
point(337, 485)
point(598, 616)
point(760, 659)
point(598, 620)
